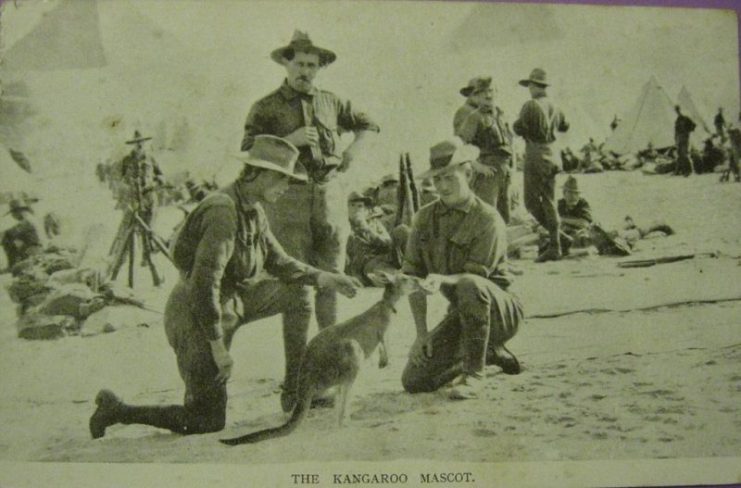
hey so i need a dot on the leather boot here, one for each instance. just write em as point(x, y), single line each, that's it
point(108, 413)
point(553, 251)
point(502, 357)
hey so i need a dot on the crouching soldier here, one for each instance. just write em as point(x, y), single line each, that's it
point(221, 251)
point(459, 244)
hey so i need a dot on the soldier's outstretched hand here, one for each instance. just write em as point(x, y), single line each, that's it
point(346, 285)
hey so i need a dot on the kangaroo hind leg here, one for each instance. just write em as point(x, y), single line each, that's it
point(349, 365)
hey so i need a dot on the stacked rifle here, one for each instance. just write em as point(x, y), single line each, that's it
point(408, 195)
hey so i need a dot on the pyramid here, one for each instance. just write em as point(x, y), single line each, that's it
point(67, 37)
point(493, 26)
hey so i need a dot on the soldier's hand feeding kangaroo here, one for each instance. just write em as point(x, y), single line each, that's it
point(334, 355)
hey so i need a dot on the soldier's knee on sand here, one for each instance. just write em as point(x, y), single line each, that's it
point(413, 382)
point(470, 290)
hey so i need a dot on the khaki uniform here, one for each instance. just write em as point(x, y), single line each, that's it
point(310, 220)
point(485, 130)
point(538, 121)
point(222, 252)
point(482, 316)
point(683, 127)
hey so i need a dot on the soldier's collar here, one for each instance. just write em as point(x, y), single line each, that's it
point(246, 203)
point(289, 93)
point(464, 206)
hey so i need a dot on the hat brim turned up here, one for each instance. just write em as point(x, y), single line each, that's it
point(298, 174)
point(534, 82)
point(466, 91)
point(326, 56)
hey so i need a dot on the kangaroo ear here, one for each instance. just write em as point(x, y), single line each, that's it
point(383, 277)
point(378, 278)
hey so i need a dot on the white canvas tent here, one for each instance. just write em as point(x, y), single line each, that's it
point(650, 120)
point(52, 44)
point(690, 109)
point(582, 127)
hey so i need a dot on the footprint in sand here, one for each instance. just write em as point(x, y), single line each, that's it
point(484, 433)
point(607, 418)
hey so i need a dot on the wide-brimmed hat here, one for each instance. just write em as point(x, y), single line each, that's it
point(537, 77)
point(274, 153)
point(356, 196)
point(449, 153)
point(389, 178)
point(476, 85)
point(571, 184)
point(300, 42)
point(16, 205)
point(138, 138)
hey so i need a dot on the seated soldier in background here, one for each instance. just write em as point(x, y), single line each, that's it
point(580, 229)
point(369, 247)
point(22, 240)
point(387, 191)
point(734, 134)
point(575, 214)
point(569, 162)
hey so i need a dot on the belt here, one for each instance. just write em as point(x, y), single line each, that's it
point(321, 176)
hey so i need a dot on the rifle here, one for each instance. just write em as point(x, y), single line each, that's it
point(412, 185)
point(316, 152)
point(400, 193)
point(645, 263)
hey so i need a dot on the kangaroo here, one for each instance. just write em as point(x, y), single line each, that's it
point(334, 355)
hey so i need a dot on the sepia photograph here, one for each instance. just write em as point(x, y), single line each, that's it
point(369, 242)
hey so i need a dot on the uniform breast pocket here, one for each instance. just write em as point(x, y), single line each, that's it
point(458, 251)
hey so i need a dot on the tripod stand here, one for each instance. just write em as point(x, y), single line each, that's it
point(132, 229)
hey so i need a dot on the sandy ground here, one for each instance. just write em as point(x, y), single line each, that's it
point(614, 382)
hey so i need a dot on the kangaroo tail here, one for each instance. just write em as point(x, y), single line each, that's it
point(303, 403)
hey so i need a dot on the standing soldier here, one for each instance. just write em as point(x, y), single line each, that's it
point(142, 177)
point(479, 122)
point(311, 221)
point(683, 127)
point(720, 124)
point(538, 122)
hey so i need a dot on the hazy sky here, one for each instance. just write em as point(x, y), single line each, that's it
point(402, 61)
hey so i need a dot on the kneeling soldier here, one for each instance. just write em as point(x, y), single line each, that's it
point(458, 242)
point(221, 252)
